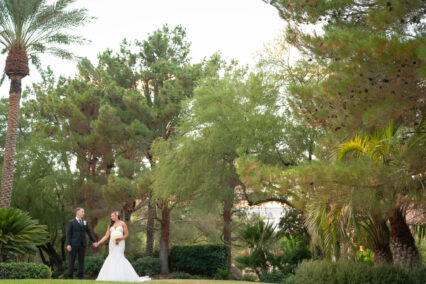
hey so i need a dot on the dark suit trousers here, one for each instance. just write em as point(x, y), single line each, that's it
point(80, 250)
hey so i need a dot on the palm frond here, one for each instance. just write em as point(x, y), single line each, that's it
point(357, 146)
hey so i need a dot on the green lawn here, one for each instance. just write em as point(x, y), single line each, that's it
point(162, 281)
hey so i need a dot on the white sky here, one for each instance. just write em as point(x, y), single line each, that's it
point(236, 28)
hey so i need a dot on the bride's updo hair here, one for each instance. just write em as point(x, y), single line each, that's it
point(116, 213)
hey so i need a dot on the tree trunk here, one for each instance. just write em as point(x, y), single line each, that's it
point(164, 240)
point(382, 255)
point(402, 245)
point(55, 259)
point(382, 252)
point(227, 233)
point(150, 228)
point(11, 138)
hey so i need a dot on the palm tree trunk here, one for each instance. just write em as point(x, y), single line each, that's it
point(164, 240)
point(382, 255)
point(382, 252)
point(402, 245)
point(10, 145)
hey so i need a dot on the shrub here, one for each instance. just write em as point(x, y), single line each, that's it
point(294, 251)
point(23, 270)
point(181, 275)
point(147, 265)
point(274, 276)
point(249, 278)
point(19, 234)
point(342, 272)
point(419, 276)
point(199, 259)
point(92, 265)
point(223, 274)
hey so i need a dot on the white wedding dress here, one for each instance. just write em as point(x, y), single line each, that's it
point(116, 267)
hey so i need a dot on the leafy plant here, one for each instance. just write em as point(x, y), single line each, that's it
point(261, 240)
point(23, 270)
point(19, 234)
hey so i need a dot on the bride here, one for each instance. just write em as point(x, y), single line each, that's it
point(116, 267)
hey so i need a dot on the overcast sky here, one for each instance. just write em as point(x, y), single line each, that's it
point(236, 28)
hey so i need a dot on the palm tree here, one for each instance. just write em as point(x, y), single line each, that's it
point(389, 148)
point(338, 227)
point(27, 29)
point(261, 239)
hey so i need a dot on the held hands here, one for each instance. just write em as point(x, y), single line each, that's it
point(95, 244)
point(69, 248)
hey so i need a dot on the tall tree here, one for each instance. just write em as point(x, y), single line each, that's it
point(391, 147)
point(28, 28)
point(167, 78)
point(218, 124)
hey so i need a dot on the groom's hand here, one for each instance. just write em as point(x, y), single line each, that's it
point(69, 248)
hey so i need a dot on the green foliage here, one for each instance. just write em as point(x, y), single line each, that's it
point(261, 241)
point(353, 272)
point(41, 26)
point(294, 250)
point(147, 265)
point(367, 256)
point(249, 278)
point(181, 275)
point(92, 265)
point(199, 259)
point(275, 276)
point(370, 56)
point(223, 274)
point(23, 270)
point(19, 234)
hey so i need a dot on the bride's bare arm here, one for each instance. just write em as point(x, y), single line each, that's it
point(108, 232)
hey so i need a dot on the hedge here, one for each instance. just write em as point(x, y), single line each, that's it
point(24, 270)
point(346, 272)
point(199, 259)
point(147, 266)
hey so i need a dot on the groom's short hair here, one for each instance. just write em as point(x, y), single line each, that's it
point(78, 209)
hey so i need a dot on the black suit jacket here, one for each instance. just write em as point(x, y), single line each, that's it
point(76, 234)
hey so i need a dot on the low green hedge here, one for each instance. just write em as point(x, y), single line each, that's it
point(346, 272)
point(92, 265)
point(147, 266)
point(199, 260)
point(24, 270)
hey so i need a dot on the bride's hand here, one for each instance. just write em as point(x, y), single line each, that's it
point(119, 240)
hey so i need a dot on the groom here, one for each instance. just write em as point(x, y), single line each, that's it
point(76, 242)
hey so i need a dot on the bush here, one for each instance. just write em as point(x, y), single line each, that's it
point(23, 270)
point(92, 265)
point(19, 234)
point(181, 275)
point(342, 272)
point(147, 266)
point(200, 259)
point(274, 276)
point(249, 278)
point(223, 274)
point(294, 251)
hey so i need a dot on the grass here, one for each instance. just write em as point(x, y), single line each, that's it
point(162, 281)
